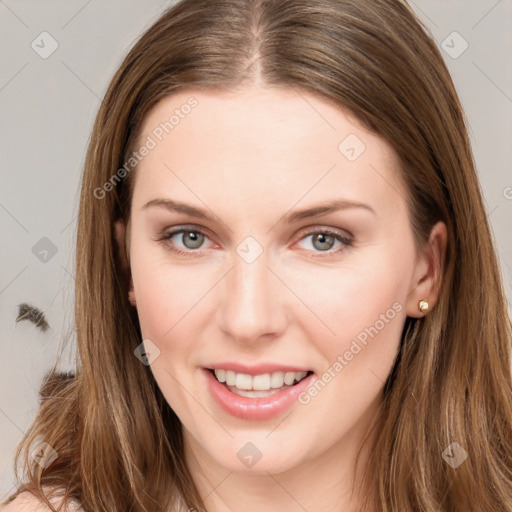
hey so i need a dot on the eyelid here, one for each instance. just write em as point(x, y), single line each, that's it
point(315, 228)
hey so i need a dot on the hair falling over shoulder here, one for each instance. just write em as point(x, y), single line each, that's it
point(119, 444)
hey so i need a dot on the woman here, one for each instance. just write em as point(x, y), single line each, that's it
point(287, 296)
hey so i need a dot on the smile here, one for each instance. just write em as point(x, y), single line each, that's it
point(265, 384)
point(256, 397)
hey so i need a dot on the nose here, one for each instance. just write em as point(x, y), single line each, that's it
point(250, 306)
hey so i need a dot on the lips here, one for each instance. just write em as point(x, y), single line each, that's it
point(249, 403)
point(257, 369)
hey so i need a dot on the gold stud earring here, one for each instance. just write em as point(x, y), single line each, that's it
point(423, 305)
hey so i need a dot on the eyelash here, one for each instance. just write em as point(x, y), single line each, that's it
point(165, 236)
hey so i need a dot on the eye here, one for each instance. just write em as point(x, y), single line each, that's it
point(323, 240)
point(191, 239)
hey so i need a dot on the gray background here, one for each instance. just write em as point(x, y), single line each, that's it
point(47, 110)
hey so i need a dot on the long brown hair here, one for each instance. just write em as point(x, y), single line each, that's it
point(119, 444)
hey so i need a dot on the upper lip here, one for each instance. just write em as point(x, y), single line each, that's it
point(256, 369)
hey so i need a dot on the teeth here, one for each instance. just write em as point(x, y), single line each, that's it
point(277, 380)
point(243, 381)
point(289, 377)
point(230, 378)
point(263, 382)
point(254, 394)
point(221, 375)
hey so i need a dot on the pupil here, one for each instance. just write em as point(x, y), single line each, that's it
point(196, 239)
point(322, 237)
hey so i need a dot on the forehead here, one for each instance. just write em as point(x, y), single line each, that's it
point(255, 140)
point(270, 117)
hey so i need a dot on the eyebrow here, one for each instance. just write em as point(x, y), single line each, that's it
point(289, 218)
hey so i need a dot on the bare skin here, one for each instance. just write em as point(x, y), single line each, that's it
point(250, 158)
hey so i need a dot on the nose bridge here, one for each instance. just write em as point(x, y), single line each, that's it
point(250, 305)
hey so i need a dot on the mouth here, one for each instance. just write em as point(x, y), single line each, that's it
point(257, 386)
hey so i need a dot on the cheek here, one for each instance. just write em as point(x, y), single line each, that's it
point(365, 307)
point(354, 296)
point(359, 313)
point(171, 298)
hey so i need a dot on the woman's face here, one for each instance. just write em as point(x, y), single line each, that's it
point(269, 235)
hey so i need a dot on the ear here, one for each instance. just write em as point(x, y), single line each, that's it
point(122, 236)
point(428, 274)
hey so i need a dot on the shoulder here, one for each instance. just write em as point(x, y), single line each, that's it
point(24, 502)
point(27, 502)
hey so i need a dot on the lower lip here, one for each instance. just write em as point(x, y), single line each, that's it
point(261, 408)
